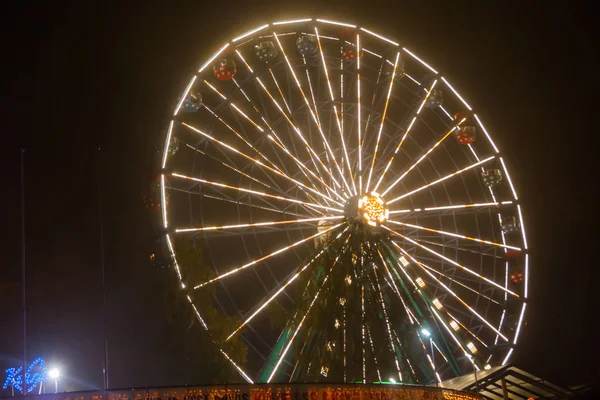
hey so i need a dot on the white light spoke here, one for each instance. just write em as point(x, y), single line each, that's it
point(452, 262)
point(298, 132)
point(261, 164)
point(312, 93)
point(287, 106)
point(256, 224)
point(374, 354)
point(364, 363)
point(508, 356)
point(276, 252)
point(230, 167)
point(467, 329)
point(335, 111)
point(305, 168)
point(455, 235)
point(387, 322)
point(236, 133)
point(328, 147)
point(459, 283)
point(466, 206)
point(255, 192)
point(416, 163)
point(464, 303)
point(406, 132)
point(359, 119)
point(460, 171)
point(235, 107)
point(282, 288)
point(291, 341)
point(387, 100)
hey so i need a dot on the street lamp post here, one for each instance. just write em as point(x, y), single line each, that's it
point(54, 373)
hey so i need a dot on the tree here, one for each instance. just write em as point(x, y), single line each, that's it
point(204, 361)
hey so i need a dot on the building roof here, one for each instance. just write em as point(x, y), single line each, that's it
point(507, 380)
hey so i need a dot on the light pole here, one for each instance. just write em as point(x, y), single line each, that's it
point(54, 373)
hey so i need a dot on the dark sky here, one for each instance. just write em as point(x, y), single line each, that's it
point(84, 74)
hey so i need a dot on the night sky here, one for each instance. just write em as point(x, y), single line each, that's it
point(83, 75)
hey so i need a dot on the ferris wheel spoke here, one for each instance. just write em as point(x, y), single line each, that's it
point(335, 110)
point(242, 203)
point(291, 341)
point(279, 144)
point(412, 317)
point(213, 113)
point(235, 107)
point(261, 164)
point(387, 321)
point(455, 235)
point(276, 252)
point(452, 207)
point(406, 132)
point(463, 326)
point(460, 171)
point(256, 224)
point(452, 293)
point(467, 250)
point(387, 100)
point(463, 346)
point(280, 91)
point(454, 280)
point(304, 168)
point(284, 286)
point(231, 167)
point(257, 193)
point(470, 271)
point(328, 147)
point(294, 128)
point(358, 119)
point(416, 163)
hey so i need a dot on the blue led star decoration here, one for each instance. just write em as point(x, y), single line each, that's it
point(35, 374)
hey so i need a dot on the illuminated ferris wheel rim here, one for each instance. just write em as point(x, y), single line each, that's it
point(333, 203)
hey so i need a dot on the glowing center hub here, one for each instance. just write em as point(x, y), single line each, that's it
point(373, 209)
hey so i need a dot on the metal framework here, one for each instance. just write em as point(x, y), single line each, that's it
point(267, 176)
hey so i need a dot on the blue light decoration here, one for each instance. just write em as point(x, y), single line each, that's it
point(36, 373)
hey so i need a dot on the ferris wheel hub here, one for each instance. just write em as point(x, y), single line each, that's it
point(369, 208)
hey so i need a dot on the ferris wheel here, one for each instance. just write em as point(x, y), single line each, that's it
point(335, 179)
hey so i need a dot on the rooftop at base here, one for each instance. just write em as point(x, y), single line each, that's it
point(293, 391)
